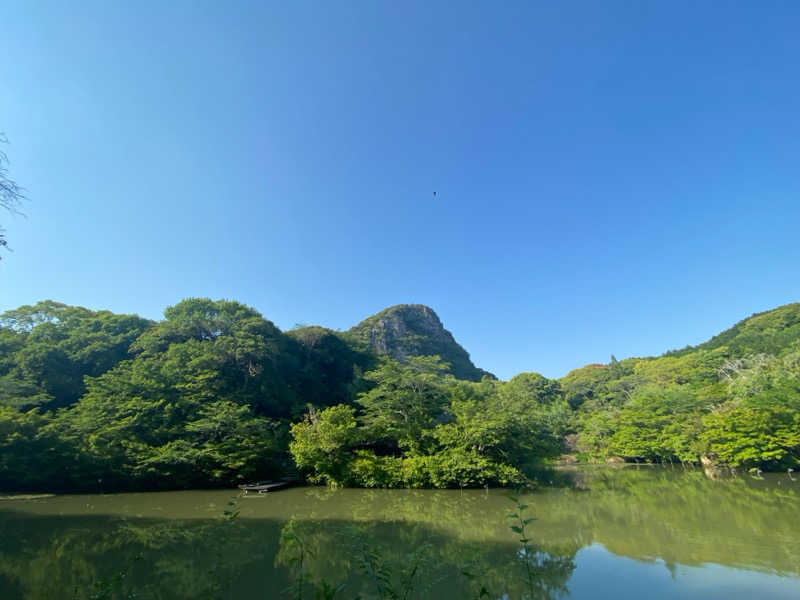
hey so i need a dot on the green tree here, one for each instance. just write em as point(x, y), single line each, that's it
point(191, 407)
point(405, 401)
point(534, 387)
point(658, 424)
point(222, 349)
point(759, 424)
point(515, 423)
point(330, 366)
point(52, 347)
point(321, 444)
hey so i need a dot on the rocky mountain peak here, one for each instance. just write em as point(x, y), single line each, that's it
point(415, 330)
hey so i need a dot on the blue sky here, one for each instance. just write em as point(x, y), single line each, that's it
point(615, 177)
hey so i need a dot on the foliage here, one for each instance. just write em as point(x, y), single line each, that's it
point(295, 553)
point(320, 443)
point(770, 332)
point(419, 427)
point(759, 425)
point(504, 422)
point(391, 584)
point(28, 450)
point(330, 365)
point(404, 401)
point(733, 401)
point(519, 526)
point(215, 394)
point(657, 423)
point(49, 349)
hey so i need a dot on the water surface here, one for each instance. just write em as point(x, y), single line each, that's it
point(598, 533)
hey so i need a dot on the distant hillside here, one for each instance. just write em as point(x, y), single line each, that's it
point(774, 332)
point(768, 332)
point(414, 330)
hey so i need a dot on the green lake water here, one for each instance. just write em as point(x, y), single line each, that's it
point(645, 532)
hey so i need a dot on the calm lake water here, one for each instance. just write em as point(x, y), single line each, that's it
point(600, 533)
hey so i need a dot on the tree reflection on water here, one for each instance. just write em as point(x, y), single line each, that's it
point(367, 543)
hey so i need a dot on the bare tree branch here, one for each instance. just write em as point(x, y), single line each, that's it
point(11, 194)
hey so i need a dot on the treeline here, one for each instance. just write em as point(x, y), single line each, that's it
point(418, 427)
point(93, 400)
point(732, 401)
point(215, 394)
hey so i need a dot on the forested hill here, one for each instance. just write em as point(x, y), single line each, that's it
point(732, 400)
point(415, 330)
point(203, 397)
point(768, 332)
point(215, 394)
point(48, 350)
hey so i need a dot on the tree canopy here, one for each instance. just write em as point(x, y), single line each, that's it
point(215, 394)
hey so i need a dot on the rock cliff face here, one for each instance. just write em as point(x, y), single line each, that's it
point(415, 330)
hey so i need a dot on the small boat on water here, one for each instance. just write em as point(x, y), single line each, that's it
point(262, 487)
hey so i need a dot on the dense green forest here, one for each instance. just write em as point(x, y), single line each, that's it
point(734, 400)
point(215, 394)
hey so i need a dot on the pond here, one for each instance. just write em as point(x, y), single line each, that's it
point(599, 533)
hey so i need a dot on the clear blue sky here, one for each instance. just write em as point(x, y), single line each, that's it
point(611, 177)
